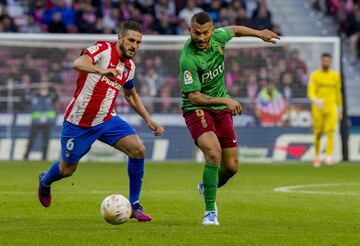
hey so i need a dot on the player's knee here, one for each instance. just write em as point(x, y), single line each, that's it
point(138, 152)
point(213, 156)
point(67, 172)
point(233, 168)
point(67, 169)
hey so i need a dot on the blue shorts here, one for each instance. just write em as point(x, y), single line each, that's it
point(76, 141)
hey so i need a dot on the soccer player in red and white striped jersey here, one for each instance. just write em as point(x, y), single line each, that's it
point(94, 98)
point(104, 69)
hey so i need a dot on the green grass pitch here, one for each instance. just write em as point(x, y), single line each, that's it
point(322, 206)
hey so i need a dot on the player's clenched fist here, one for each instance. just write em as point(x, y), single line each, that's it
point(268, 36)
point(156, 128)
point(234, 106)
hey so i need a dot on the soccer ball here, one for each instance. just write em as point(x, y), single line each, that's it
point(116, 209)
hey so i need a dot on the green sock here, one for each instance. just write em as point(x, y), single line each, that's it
point(210, 181)
point(223, 177)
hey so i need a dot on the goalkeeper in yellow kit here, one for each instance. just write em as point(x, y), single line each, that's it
point(324, 91)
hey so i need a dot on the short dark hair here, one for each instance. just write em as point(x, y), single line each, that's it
point(201, 18)
point(132, 25)
point(325, 55)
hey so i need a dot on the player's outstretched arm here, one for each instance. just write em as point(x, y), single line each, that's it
point(266, 35)
point(135, 102)
point(84, 64)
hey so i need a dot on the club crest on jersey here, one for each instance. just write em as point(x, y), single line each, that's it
point(188, 78)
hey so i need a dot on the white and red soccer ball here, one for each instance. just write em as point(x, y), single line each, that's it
point(116, 209)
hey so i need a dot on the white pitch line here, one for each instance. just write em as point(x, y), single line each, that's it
point(184, 192)
point(283, 189)
point(157, 192)
point(297, 189)
point(17, 192)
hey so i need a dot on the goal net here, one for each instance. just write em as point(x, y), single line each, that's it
point(269, 130)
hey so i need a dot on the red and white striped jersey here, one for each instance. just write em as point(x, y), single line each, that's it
point(94, 99)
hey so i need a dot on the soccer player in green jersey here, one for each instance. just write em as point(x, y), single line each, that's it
point(207, 106)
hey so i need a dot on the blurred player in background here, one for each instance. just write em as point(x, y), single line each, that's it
point(207, 106)
point(104, 69)
point(324, 91)
point(43, 115)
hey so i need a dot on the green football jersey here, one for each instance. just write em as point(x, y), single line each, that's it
point(204, 70)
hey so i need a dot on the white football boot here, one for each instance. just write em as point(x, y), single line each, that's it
point(210, 218)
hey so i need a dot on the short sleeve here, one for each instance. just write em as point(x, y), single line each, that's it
point(96, 51)
point(132, 71)
point(223, 35)
point(189, 76)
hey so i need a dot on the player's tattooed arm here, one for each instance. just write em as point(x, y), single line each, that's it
point(84, 64)
point(266, 35)
point(198, 99)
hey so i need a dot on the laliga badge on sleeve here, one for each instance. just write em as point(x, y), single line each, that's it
point(188, 78)
point(93, 49)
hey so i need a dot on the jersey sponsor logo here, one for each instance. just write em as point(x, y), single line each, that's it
point(110, 82)
point(212, 74)
point(188, 78)
point(93, 48)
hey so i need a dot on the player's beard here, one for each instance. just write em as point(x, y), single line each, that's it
point(204, 45)
point(124, 52)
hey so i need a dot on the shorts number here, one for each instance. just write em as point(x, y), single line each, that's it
point(70, 144)
point(200, 113)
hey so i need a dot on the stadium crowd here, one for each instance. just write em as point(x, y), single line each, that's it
point(106, 16)
point(347, 14)
point(157, 73)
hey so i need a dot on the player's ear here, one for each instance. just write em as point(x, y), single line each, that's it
point(189, 29)
point(119, 36)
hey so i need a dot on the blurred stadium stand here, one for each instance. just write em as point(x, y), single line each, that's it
point(326, 18)
point(96, 16)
